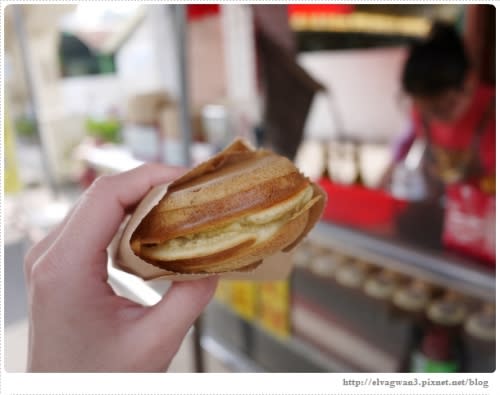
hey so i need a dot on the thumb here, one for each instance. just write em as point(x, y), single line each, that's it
point(172, 316)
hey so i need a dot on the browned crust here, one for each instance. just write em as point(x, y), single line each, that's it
point(241, 256)
point(249, 268)
point(160, 226)
point(234, 183)
point(315, 213)
point(234, 152)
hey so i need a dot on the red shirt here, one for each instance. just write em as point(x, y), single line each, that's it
point(459, 135)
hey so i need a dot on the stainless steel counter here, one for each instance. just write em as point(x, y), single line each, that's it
point(438, 266)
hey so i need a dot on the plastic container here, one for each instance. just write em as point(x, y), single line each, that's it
point(359, 206)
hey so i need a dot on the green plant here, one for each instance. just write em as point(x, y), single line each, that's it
point(106, 130)
point(25, 126)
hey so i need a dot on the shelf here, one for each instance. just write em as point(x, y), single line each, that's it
point(440, 267)
point(255, 348)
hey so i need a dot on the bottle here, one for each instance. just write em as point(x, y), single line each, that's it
point(326, 264)
point(413, 298)
point(381, 285)
point(351, 273)
point(342, 162)
point(350, 300)
point(358, 179)
point(378, 290)
point(479, 340)
point(410, 301)
point(327, 153)
point(440, 349)
point(448, 311)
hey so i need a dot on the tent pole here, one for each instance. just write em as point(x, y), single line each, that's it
point(20, 28)
point(180, 20)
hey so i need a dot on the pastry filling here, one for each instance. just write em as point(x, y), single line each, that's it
point(257, 227)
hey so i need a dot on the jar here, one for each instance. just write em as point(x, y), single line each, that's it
point(480, 339)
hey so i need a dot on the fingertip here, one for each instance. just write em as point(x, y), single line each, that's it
point(188, 298)
point(180, 306)
point(159, 171)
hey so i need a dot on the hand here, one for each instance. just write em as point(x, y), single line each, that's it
point(77, 322)
point(385, 180)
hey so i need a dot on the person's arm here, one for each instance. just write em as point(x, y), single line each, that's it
point(399, 150)
point(77, 323)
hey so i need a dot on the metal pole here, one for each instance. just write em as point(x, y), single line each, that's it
point(180, 21)
point(199, 361)
point(28, 75)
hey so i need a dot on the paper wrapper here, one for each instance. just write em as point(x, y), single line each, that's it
point(274, 267)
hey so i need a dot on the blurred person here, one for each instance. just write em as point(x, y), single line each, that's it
point(76, 322)
point(452, 111)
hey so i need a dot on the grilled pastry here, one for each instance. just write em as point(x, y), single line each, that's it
point(228, 214)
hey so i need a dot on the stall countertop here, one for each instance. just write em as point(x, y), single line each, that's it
point(437, 266)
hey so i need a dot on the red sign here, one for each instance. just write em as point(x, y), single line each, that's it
point(307, 9)
point(469, 223)
point(197, 11)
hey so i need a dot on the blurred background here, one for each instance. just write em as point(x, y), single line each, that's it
point(400, 273)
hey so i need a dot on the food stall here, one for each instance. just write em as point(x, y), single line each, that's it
point(340, 310)
point(376, 286)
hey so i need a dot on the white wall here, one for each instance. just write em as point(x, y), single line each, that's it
point(92, 94)
point(365, 85)
point(240, 67)
point(148, 60)
point(138, 60)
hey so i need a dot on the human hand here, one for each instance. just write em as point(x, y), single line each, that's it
point(77, 323)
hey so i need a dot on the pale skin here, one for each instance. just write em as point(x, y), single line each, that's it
point(77, 322)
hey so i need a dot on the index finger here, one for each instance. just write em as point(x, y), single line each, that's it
point(97, 218)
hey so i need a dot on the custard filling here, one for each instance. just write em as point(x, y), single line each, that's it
point(257, 227)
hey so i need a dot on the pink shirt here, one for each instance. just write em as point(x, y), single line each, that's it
point(458, 135)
